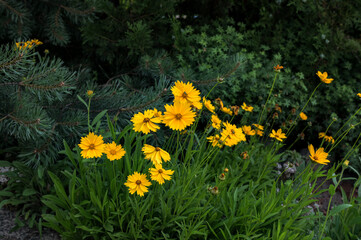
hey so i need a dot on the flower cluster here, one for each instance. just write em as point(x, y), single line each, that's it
point(28, 44)
point(327, 138)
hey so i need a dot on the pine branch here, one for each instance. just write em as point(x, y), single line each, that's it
point(12, 62)
point(19, 14)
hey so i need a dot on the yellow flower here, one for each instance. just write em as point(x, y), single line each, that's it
point(346, 162)
point(330, 139)
point(247, 108)
point(319, 156)
point(260, 127)
point(259, 132)
point(114, 151)
point(227, 110)
point(158, 115)
point(219, 102)
point(248, 130)
point(90, 93)
point(178, 116)
point(145, 122)
point(321, 135)
point(92, 146)
point(235, 110)
point(208, 105)
point(278, 67)
point(323, 77)
point(196, 105)
point(303, 116)
point(216, 122)
point(155, 154)
point(215, 140)
point(359, 94)
point(278, 135)
point(159, 174)
point(137, 183)
point(232, 135)
point(185, 92)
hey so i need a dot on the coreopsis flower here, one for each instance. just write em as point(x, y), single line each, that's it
point(90, 93)
point(226, 170)
point(247, 108)
point(321, 135)
point(196, 106)
point(178, 116)
point(232, 135)
point(215, 140)
point(219, 102)
point(303, 116)
point(359, 94)
point(155, 154)
point(248, 130)
point(279, 135)
point(320, 156)
point(92, 146)
point(235, 110)
point(145, 122)
point(186, 93)
point(278, 67)
point(329, 139)
point(159, 174)
point(216, 122)
point(259, 132)
point(114, 151)
point(137, 183)
point(323, 77)
point(158, 115)
point(260, 127)
point(227, 110)
point(208, 105)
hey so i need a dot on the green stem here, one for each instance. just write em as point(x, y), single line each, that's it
point(326, 133)
point(269, 95)
point(89, 127)
point(347, 121)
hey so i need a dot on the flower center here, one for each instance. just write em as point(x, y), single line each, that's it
point(146, 120)
point(160, 171)
point(315, 157)
point(113, 152)
point(178, 116)
point(184, 95)
point(91, 146)
point(233, 132)
point(138, 182)
point(157, 149)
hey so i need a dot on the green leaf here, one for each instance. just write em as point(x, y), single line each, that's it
point(81, 100)
point(5, 164)
point(339, 208)
point(29, 192)
point(98, 117)
point(6, 193)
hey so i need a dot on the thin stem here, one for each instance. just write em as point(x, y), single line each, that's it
point(326, 132)
point(347, 121)
point(269, 95)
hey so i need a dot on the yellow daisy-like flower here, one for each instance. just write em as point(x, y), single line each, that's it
point(278, 67)
point(92, 146)
point(303, 116)
point(208, 105)
point(216, 122)
point(90, 93)
point(359, 95)
point(155, 154)
point(196, 105)
point(219, 102)
point(114, 151)
point(215, 140)
point(247, 108)
point(185, 92)
point(235, 110)
point(138, 183)
point(259, 132)
point(145, 122)
point(319, 156)
point(159, 174)
point(158, 115)
point(323, 77)
point(329, 139)
point(248, 130)
point(321, 135)
point(279, 135)
point(260, 127)
point(178, 116)
point(227, 110)
point(232, 135)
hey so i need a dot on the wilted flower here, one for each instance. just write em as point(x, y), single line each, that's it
point(222, 177)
